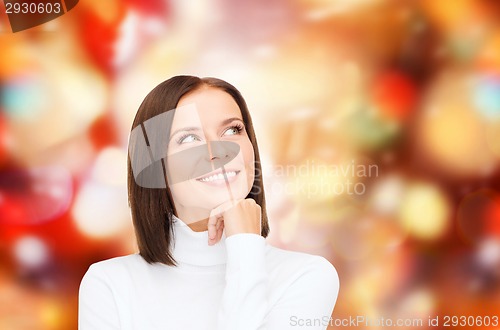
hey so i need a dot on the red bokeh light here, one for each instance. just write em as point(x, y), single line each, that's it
point(98, 35)
point(13, 209)
point(394, 95)
point(3, 138)
point(492, 212)
point(102, 132)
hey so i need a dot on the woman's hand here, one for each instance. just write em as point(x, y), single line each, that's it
point(236, 217)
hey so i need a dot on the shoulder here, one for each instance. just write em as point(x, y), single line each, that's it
point(282, 257)
point(301, 266)
point(113, 268)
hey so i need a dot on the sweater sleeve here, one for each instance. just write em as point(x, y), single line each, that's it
point(307, 303)
point(96, 305)
point(244, 301)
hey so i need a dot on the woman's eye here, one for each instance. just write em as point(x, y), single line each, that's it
point(233, 130)
point(188, 138)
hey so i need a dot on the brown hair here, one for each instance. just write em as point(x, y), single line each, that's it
point(152, 209)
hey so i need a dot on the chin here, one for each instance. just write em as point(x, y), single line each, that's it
point(209, 196)
point(218, 199)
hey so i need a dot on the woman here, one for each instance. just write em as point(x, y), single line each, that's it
point(198, 208)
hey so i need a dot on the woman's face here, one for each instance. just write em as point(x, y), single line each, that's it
point(208, 139)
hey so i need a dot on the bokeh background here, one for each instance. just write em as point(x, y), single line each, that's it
point(378, 123)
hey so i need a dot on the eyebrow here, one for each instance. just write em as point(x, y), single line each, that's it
point(195, 128)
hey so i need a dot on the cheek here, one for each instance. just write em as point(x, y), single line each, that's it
point(249, 159)
point(179, 191)
point(247, 152)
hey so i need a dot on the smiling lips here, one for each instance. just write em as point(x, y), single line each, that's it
point(218, 176)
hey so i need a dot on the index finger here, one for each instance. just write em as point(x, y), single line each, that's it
point(212, 223)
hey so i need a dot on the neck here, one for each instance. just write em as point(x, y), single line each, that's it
point(198, 226)
point(191, 247)
point(192, 215)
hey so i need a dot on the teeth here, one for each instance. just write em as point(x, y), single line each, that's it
point(219, 176)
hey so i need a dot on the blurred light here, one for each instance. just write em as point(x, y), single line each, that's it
point(78, 96)
point(385, 195)
point(418, 304)
point(16, 55)
point(351, 239)
point(31, 251)
point(472, 214)
point(125, 46)
point(51, 192)
point(380, 276)
point(368, 130)
point(150, 8)
point(24, 97)
point(265, 51)
point(35, 195)
point(331, 211)
point(102, 132)
point(488, 254)
point(19, 303)
point(100, 210)
point(451, 134)
point(315, 180)
point(425, 211)
point(110, 12)
point(488, 59)
point(312, 237)
point(288, 225)
point(98, 31)
point(110, 167)
point(493, 137)
point(134, 33)
point(450, 15)
point(464, 24)
point(487, 95)
point(334, 67)
point(254, 24)
point(292, 69)
point(368, 238)
point(322, 9)
point(279, 204)
point(51, 315)
point(82, 93)
point(394, 95)
point(12, 209)
point(294, 146)
point(363, 291)
point(136, 80)
point(492, 218)
point(75, 155)
point(4, 137)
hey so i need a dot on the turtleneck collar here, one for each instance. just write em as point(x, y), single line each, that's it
point(191, 247)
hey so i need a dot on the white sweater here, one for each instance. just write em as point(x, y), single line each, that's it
point(241, 282)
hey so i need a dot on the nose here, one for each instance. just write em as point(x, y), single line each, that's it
point(221, 153)
point(200, 160)
point(217, 150)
